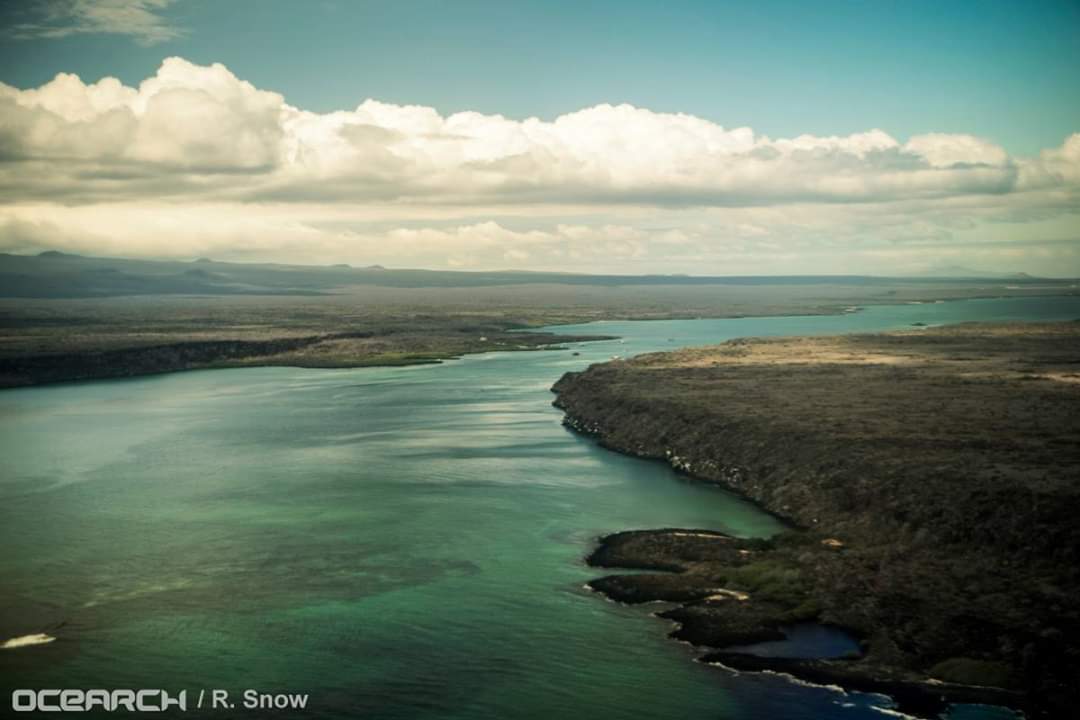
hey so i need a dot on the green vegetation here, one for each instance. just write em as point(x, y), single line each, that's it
point(772, 579)
point(974, 672)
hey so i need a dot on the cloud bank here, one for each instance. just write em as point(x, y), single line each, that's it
point(196, 160)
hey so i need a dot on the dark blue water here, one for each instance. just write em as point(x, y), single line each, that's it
point(805, 640)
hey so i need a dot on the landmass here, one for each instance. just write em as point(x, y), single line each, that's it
point(380, 345)
point(930, 480)
point(70, 317)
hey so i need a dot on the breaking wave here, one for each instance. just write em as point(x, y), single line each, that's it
point(25, 640)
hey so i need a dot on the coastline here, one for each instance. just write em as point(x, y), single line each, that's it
point(63, 340)
point(712, 618)
point(313, 352)
point(834, 541)
point(553, 360)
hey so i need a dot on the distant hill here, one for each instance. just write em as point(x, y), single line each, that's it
point(54, 274)
point(959, 271)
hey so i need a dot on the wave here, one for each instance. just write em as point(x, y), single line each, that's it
point(893, 713)
point(783, 676)
point(26, 640)
point(805, 683)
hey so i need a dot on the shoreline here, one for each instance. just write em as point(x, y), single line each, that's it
point(163, 359)
point(634, 407)
point(838, 309)
point(130, 355)
point(22, 371)
point(594, 433)
point(913, 698)
point(677, 585)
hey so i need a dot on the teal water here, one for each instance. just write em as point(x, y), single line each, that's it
point(395, 542)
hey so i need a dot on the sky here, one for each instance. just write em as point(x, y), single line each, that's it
point(632, 137)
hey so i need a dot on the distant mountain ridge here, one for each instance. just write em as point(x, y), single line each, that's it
point(55, 274)
point(960, 271)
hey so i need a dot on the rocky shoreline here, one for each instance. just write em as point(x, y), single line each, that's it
point(726, 598)
point(927, 479)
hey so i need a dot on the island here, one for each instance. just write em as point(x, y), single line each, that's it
point(929, 478)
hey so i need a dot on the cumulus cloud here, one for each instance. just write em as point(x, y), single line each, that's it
point(201, 126)
point(226, 162)
point(140, 19)
point(185, 119)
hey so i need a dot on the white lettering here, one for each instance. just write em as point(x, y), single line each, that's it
point(180, 701)
point(123, 698)
point(71, 700)
point(141, 703)
point(254, 701)
point(42, 694)
point(147, 700)
point(100, 698)
point(24, 701)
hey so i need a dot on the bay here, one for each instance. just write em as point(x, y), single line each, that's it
point(394, 542)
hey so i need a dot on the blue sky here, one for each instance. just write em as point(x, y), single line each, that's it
point(1006, 70)
point(707, 137)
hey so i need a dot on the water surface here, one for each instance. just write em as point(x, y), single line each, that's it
point(396, 542)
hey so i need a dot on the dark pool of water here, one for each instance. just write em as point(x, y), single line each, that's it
point(805, 640)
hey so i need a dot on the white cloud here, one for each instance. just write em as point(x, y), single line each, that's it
point(1055, 167)
point(194, 124)
point(139, 19)
point(197, 161)
point(186, 118)
point(942, 151)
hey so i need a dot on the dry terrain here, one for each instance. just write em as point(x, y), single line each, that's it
point(67, 317)
point(930, 475)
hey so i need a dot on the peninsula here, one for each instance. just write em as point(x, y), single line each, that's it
point(929, 476)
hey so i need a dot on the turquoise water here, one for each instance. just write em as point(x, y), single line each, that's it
point(394, 542)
